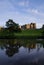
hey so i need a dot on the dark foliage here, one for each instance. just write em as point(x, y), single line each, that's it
point(12, 26)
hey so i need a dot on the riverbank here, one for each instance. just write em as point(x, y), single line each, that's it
point(35, 33)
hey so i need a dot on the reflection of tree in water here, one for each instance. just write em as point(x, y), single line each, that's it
point(2, 47)
point(12, 48)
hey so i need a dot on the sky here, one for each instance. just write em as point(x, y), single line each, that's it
point(22, 12)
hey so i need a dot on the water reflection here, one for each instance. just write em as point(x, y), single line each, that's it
point(22, 50)
point(12, 45)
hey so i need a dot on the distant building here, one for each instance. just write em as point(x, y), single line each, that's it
point(23, 27)
point(29, 26)
point(33, 26)
point(1, 28)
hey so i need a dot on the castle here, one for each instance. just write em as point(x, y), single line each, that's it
point(29, 26)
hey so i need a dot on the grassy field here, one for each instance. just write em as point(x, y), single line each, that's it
point(35, 33)
point(30, 33)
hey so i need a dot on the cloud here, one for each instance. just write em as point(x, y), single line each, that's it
point(20, 3)
point(23, 3)
point(35, 11)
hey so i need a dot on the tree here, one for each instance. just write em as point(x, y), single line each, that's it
point(11, 25)
point(43, 27)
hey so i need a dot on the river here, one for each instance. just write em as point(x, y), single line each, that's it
point(21, 52)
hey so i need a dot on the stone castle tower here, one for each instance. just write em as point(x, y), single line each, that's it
point(29, 26)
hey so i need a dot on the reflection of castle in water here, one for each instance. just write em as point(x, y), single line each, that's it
point(33, 46)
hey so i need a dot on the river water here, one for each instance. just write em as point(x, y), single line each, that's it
point(21, 52)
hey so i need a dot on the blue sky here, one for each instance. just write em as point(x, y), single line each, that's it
point(22, 11)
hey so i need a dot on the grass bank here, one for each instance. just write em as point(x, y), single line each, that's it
point(35, 33)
